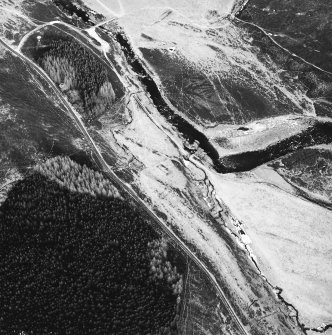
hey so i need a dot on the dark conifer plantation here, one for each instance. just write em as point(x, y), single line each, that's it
point(81, 75)
point(73, 263)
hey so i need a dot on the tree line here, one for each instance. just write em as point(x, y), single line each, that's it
point(76, 177)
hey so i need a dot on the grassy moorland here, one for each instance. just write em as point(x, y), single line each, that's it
point(33, 125)
point(303, 27)
point(310, 169)
point(213, 99)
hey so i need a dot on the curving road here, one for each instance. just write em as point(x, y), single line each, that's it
point(122, 185)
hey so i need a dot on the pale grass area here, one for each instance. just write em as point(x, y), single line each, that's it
point(290, 238)
point(259, 134)
point(193, 9)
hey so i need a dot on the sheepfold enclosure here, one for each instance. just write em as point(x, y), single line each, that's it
point(77, 258)
point(79, 70)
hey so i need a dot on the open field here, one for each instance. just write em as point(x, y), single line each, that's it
point(289, 237)
point(30, 131)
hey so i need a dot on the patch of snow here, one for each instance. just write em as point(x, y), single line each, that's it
point(104, 45)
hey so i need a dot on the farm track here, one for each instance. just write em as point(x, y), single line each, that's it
point(118, 182)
